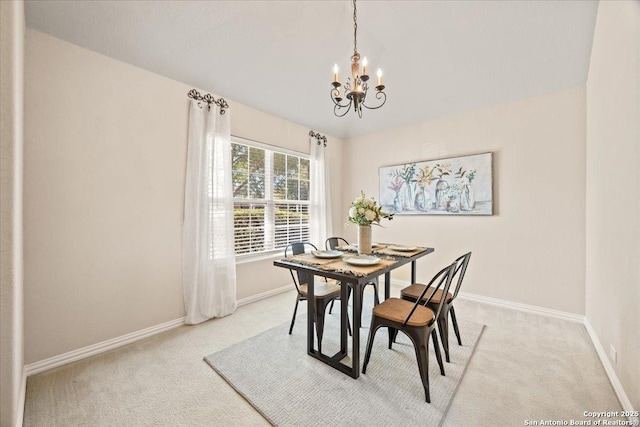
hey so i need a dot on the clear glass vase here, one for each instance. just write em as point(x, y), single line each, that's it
point(442, 188)
point(408, 196)
point(423, 200)
point(397, 205)
point(453, 205)
point(467, 198)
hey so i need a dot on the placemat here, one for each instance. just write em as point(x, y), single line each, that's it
point(339, 265)
point(386, 250)
point(343, 267)
point(309, 259)
point(353, 248)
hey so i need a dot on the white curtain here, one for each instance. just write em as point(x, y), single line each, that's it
point(208, 256)
point(320, 199)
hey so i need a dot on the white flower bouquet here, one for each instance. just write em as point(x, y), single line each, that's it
point(365, 211)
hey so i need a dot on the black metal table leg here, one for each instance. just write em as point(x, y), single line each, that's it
point(335, 360)
point(357, 311)
point(344, 301)
point(387, 285)
point(413, 272)
point(311, 307)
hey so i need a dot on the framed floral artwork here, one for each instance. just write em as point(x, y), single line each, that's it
point(451, 186)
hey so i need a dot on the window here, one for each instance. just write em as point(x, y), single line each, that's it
point(271, 197)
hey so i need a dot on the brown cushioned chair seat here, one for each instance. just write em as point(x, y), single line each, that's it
point(396, 309)
point(321, 289)
point(416, 289)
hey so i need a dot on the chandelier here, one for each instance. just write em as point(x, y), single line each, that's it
point(357, 85)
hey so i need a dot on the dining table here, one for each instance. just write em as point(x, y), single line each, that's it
point(347, 273)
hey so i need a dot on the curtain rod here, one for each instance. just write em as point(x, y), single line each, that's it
point(318, 137)
point(209, 99)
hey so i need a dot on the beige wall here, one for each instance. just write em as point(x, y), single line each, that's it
point(532, 250)
point(613, 189)
point(11, 296)
point(105, 148)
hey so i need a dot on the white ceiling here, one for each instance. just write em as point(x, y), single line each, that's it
point(438, 57)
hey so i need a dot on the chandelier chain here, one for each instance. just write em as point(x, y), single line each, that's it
point(355, 29)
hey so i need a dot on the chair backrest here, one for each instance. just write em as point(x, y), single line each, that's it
point(461, 268)
point(334, 242)
point(443, 278)
point(298, 248)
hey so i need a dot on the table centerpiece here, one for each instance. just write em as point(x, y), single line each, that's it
point(365, 211)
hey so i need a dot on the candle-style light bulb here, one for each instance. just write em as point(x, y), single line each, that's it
point(335, 73)
point(364, 66)
point(379, 77)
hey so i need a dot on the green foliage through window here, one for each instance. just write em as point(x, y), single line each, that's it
point(271, 192)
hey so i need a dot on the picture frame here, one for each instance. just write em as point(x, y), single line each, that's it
point(460, 185)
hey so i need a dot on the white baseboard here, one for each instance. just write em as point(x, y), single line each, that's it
point(101, 347)
point(263, 295)
point(579, 318)
point(510, 304)
point(611, 373)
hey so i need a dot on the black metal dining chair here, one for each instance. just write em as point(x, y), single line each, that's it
point(323, 291)
point(414, 319)
point(334, 242)
point(411, 293)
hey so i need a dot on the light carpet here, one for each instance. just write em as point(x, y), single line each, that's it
point(273, 372)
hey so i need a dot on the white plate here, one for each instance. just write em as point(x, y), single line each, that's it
point(362, 260)
point(327, 254)
point(403, 248)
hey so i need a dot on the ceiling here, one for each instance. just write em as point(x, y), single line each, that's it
point(438, 57)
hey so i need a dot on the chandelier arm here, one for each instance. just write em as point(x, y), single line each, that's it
point(334, 95)
point(339, 107)
point(379, 95)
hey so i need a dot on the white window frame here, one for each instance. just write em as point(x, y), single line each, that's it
point(269, 201)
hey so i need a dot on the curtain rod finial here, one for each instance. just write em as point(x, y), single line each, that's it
point(209, 99)
point(318, 137)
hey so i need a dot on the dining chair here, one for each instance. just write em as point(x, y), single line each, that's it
point(411, 293)
point(332, 243)
point(323, 292)
point(416, 320)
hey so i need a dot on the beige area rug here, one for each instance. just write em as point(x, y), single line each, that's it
point(273, 372)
